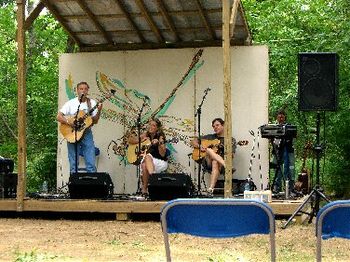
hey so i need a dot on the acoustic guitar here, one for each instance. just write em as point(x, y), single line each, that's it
point(80, 123)
point(214, 144)
point(134, 155)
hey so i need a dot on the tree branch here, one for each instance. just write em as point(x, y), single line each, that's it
point(8, 127)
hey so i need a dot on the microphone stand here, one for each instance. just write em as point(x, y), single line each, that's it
point(76, 128)
point(138, 124)
point(198, 115)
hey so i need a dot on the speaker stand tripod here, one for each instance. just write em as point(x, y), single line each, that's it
point(316, 193)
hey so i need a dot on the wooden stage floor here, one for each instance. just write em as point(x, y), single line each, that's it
point(121, 208)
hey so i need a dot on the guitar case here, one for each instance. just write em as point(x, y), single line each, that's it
point(167, 186)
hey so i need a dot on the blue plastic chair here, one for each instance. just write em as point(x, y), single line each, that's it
point(333, 220)
point(217, 218)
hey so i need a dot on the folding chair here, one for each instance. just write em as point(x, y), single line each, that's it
point(333, 220)
point(217, 218)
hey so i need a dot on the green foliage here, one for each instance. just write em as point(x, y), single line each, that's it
point(289, 27)
point(286, 26)
point(8, 95)
point(45, 41)
point(32, 256)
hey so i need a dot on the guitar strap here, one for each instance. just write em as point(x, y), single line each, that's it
point(88, 102)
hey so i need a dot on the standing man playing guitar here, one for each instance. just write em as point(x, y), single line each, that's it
point(212, 145)
point(154, 159)
point(66, 116)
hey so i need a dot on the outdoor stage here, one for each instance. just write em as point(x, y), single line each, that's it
point(122, 208)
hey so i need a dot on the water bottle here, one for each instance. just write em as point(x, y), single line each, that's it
point(247, 184)
point(287, 189)
point(45, 189)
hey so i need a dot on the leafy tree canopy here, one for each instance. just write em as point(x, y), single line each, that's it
point(287, 27)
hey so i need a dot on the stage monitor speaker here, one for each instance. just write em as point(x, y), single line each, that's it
point(97, 185)
point(8, 185)
point(318, 81)
point(167, 186)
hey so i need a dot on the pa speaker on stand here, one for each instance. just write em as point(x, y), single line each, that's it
point(318, 81)
point(318, 91)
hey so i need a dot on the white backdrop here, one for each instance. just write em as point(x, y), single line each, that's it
point(155, 73)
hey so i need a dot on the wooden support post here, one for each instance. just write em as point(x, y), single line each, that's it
point(227, 96)
point(21, 95)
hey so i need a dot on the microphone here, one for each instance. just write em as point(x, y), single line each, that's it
point(81, 98)
point(207, 90)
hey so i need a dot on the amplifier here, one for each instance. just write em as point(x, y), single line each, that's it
point(8, 185)
point(6, 165)
point(167, 186)
point(96, 185)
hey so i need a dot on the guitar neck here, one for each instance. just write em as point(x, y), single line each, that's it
point(95, 106)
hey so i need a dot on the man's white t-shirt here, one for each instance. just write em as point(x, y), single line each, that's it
point(70, 107)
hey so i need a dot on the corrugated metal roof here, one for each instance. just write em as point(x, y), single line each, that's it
point(135, 24)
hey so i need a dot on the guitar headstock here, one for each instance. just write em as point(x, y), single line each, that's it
point(174, 140)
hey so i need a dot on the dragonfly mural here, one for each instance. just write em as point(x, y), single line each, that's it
point(129, 103)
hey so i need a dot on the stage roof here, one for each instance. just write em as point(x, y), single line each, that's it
point(97, 25)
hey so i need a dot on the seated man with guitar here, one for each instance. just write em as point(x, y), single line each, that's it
point(76, 117)
point(153, 153)
point(211, 151)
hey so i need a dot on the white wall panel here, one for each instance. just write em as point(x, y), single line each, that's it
point(156, 73)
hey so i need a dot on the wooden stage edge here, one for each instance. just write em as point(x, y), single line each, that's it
point(122, 208)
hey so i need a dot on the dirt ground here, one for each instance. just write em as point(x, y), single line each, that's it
point(81, 239)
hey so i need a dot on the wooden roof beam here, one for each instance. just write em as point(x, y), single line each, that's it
point(168, 19)
point(94, 20)
point(138, 46)
point(62, 21)
point(124, 32)
point(205, 20)
point(249, 37)
point(149, 20)
point(132, 23)
point(233, 17)
point(129, 16)
point(33, 15)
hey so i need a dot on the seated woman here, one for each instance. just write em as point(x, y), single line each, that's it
point(155, 158)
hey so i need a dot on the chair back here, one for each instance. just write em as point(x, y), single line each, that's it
point(217, 218)
point(333, 220)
